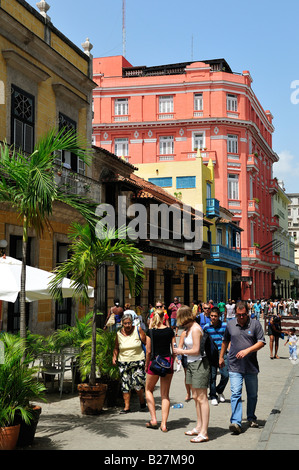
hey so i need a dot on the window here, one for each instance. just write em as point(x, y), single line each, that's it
point(166, 104)
point(162, 182)
point(22, 119)
point(232, 144)
point(233, 186)
point(209, 191)
point(121, 147)
point(185, 182)
point(166, 145)
point(219, 236)
point(231, 102)
point(68, 159)
point(198, 140)
point(121, 106)
point(198, 102)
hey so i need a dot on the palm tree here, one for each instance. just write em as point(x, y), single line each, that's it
point(88, 253)
point(27, 183)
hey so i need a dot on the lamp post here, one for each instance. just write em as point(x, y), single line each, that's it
point(3, 245)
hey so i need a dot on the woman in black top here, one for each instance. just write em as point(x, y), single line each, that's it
point(274, 332)
point(163, 343)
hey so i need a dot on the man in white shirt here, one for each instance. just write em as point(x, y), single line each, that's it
point(230, 310)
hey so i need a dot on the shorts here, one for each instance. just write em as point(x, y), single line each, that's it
point(149, 372)
point(132, 375)
point(173, 322)
point(198, 373)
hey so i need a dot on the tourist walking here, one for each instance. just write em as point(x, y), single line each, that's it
point(129, 356)
point(274, 333)
point(216, 331)
point(245, 337)
point(229, 310)
point(197, 373)
point(159, 342)
point(173, 308)
point(116, 312)
point(292, 342)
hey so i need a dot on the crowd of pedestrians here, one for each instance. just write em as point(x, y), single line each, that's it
point(146, 352)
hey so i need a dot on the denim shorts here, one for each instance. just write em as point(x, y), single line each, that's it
point(173, 322)
point(198, 373)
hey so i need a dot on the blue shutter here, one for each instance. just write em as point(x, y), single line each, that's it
point(185, 182)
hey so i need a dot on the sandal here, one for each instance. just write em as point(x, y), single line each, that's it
point(164, 430)
point(149, 425)
point(194, 432)
point(200, 438)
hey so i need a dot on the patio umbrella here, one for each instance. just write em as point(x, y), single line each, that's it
point(37, 282)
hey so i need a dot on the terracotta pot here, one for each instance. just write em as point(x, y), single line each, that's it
point(9, 436)
point(27, 431)
point(92, 398)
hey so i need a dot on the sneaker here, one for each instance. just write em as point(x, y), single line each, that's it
point(221, 398)
point(253, 424)
point(235, 428)
point(214, 402)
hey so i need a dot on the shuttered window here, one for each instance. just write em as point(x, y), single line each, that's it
point(22, 119)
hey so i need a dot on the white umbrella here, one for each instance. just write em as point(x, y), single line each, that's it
point(37, 282)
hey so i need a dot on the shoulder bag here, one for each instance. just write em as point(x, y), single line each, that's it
point(159, 364)
point(111, 319)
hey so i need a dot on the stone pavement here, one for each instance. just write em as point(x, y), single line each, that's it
point(63, 427)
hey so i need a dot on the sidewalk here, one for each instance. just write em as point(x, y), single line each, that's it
point(63, 427)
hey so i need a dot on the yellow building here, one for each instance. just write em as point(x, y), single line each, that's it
point(194, 185)
point(45, 83)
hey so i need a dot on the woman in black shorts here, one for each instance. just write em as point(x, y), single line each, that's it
point(274, 332)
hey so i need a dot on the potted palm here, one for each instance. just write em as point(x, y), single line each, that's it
point(18, 387)
point(90, 249)
point(107, 372)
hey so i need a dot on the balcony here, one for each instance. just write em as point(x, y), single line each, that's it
point(75, 183)
point(206, 155)
point(253, 208)
point(252, 253)
point(274, 223)
point(212, 208)
point(252, 163)
point(226, 257)
point(273, 186)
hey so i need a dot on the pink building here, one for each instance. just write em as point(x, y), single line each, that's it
point(165, 113)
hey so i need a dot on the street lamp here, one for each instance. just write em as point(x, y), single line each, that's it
point(3, 245)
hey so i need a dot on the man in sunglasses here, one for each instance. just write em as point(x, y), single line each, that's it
point(245, 337)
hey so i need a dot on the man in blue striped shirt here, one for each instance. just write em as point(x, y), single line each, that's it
point(216, 331)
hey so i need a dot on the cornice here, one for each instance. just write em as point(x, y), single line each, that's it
point(33, 46)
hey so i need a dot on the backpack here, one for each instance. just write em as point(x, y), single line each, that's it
point(209, 349)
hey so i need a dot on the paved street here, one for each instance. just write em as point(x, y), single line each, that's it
point(62, 427)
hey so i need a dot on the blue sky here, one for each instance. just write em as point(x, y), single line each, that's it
point(261, 36)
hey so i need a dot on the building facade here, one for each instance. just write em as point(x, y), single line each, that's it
point(45, 83)
point(164, 114)
point(286, 277)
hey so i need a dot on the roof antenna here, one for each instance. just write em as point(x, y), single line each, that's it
point(124, 28)
point(192, 47)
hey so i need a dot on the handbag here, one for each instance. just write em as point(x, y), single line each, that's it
point(111, 320)
point(159, 364)
point(142, 344)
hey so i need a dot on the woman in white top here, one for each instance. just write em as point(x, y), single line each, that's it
point(197, 373)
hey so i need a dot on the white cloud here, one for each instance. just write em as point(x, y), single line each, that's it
point(287, 170)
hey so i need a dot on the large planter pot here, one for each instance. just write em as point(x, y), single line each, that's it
point(9, 436)
point(92, 398)
point(27, 431)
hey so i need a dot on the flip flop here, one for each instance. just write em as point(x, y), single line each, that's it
point(164, 430)
point(199, 438)
point(194, 432)
point(149, 425)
